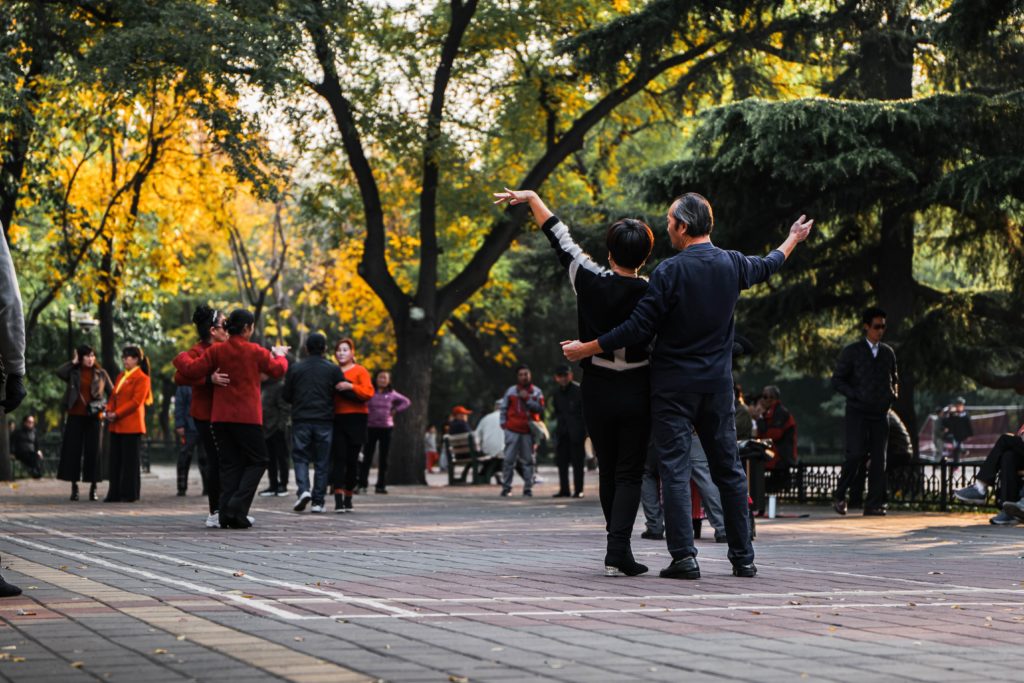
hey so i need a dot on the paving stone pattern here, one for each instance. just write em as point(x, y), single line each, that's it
point(452, 584)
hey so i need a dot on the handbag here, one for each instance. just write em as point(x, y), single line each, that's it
point(95, 407)
point(539, 431)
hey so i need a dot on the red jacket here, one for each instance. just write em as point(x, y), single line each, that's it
point(362, 387)
point(202, 390)
point(128, 403)
point(243, 361)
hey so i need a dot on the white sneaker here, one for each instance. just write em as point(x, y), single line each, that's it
point(303, 501)
point(213, 521)
point(316, 509)
point(537, 479)
point(252, 520)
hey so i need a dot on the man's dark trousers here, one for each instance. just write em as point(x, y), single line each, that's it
point(1003, 462)
point(867, 435)
point(569, 452)
point(675, 416)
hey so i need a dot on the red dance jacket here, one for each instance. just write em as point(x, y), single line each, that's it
point(202, 390)
point(128, 402)
point(362, 391)
point(239, 402)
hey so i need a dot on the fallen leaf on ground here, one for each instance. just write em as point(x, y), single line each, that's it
point(181, 637)
point(77, 665)
point(10, 647)
point(298, 639)
point(458, 679)
point(160, 651)
point(24, 613)
point(239, 573)
point(934, 572)
point(754, 611)
point(17, 659)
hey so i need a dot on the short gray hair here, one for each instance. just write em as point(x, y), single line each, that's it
point(695, 211)
point(771, 391)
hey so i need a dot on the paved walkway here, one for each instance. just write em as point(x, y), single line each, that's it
point(435, 584)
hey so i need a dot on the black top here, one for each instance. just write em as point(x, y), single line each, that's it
point(958, 425)
point(23, 442)
point(603, 300)
point(689, 306)
point(568, 403)
point(870, 383)
point(309, 387)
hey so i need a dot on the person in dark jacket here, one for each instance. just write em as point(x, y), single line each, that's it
point(309, 387)
point(866, 374)
point(570, 434)
point(275, 430)
point(689, 308)
point(25, 447)
point(88, 387)
point(188, 439)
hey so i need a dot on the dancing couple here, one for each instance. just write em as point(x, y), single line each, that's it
point(684, 386)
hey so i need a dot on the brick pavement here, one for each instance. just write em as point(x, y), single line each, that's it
point(437, 584)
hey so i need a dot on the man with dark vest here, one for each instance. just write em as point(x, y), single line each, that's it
point(689, 305)
point(866, 375)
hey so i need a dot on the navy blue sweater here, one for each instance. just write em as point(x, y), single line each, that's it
point(689, 306)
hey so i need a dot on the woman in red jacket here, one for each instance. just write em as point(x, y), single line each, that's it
point(126, 413)
point(237, 413)
point(209, 324)
point(350, 419)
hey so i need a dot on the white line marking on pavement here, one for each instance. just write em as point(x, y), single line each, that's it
point(254, 603)
point(177, 561)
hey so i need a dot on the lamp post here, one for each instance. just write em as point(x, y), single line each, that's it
point(84, 321)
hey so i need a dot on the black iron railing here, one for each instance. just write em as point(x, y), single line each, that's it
point(917, 486)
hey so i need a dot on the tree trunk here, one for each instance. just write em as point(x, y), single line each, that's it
point(6, 470)
point(412, 371)
point(896, 296)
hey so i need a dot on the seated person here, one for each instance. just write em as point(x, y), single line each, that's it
point(25, 447)
point(1003, 461)
point(956, 427)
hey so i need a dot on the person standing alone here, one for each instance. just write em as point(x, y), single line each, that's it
point(523, 403)
point(570, 433)
point(383, 406)
point(867, 376)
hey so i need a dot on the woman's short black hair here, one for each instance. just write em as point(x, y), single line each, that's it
point(239, 319)
point(85, 350)
point(629, 242)
point(378, 374)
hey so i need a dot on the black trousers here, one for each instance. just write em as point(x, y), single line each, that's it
point(79, 449)
point(243, 460)
point(675, 417)
point(375, 436)
point(347, 439)
point(866, 437)
point(617, 413)
point(125, 478)
point(569, 452)
point(189, 447)
point(213, 467)
point(279, 466)
point(1003, 462)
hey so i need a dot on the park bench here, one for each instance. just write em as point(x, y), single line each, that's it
point(462, 453)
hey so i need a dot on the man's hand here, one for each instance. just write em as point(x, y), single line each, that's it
point(575, 350)
point(15, 393)
point(219, 378)
point(343, 386)
point(801, 228)
point(524, 394)
point(180, 431)
point(110, 416)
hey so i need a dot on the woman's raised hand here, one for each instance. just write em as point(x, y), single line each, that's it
point(514, 197)
point(280, 350)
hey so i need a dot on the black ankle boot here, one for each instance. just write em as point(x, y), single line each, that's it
point(624, 565)
point(339, 502)
point(74, 490)
point(92, 492)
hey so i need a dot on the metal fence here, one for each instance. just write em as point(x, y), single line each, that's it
point(917, 486)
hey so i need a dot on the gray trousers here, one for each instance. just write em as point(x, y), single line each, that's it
point(650, 491)
point(518, 449)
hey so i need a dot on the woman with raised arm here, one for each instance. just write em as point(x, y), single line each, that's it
point(88, 388)
point(209, 324)
point(126, 413)
point(351, 415)
point(237, 414)
point(615, 385)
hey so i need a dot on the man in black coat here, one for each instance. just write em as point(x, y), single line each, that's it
point(867, 376)
point(570, 433)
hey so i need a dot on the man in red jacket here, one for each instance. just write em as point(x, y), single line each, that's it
point(522, 404)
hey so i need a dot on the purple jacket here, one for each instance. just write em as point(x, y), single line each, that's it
point(382, 405)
